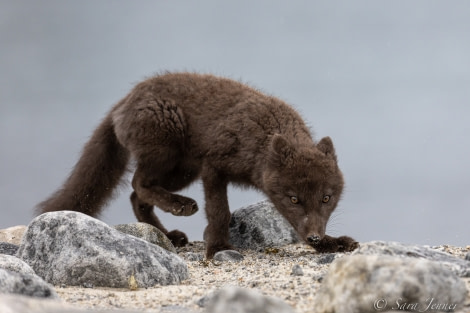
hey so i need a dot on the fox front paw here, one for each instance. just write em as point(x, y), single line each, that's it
point(332, 244)
point(347, 244)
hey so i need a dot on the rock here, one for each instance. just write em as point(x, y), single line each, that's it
point(327, 258)
point(8, 248)
point(204, 301)
point(259, 226)
point(318, 277)
point(235, 299)
point(371, 283)
point(455, 264)
point(12, 263)
point(228, 256)
point(21, 304)
point(12, 234)
point(297, 270)
point(148, 233)
point(91, 286)
point(74, 249)
point(467, 257)
point(17, 277)
point(25, 284)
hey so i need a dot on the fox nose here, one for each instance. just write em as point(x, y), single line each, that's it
point(313, 239)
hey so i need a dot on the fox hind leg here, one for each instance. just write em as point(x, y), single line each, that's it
point(153, 130)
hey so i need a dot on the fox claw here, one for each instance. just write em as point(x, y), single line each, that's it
point(186, 209)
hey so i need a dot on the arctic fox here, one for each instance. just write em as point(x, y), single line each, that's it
point(180, 127)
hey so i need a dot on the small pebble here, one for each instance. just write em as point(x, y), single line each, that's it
point(202, 303)
point(88, 285)
point(318, 278)
point(297, 270)
point(228, 255)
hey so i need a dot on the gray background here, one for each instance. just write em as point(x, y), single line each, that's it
point(387, 80)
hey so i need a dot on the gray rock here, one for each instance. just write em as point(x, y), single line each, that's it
point(228, 256)
point(456, 265)
point(371, 283)
point(8, 248)
point(148, 233)
point(297, 270)
point(25, 284)
point(21, 304)
point(467, 257)
point(74, 249)
point(327, 258)
point(259, 226)
point(318, 277)
point(12, 263)
point(239, 300)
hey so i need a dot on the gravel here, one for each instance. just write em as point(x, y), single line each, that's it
point(273, 272)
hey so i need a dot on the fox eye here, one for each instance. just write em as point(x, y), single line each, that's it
point(325, 199)
point(294, 200)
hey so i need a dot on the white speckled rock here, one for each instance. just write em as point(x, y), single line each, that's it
point(12, 263)
point(74, 249)
point(259, 226)
point(25, 284)
point(239, 300)
point(457, 265)
point(371, 283)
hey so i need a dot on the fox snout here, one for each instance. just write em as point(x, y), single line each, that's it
point(312, 228)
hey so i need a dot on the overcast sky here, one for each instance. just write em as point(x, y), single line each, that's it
point(389, 81)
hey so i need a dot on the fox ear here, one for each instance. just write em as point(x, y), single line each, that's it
point(281, 150)
point(326, 146)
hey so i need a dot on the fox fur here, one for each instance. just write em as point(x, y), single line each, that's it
point(180, 127)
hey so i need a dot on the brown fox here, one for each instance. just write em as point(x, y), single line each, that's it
point(183, 126)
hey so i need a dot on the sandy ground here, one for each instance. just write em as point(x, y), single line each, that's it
point(268, 271)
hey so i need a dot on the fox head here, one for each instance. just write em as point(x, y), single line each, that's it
point(304, 183)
